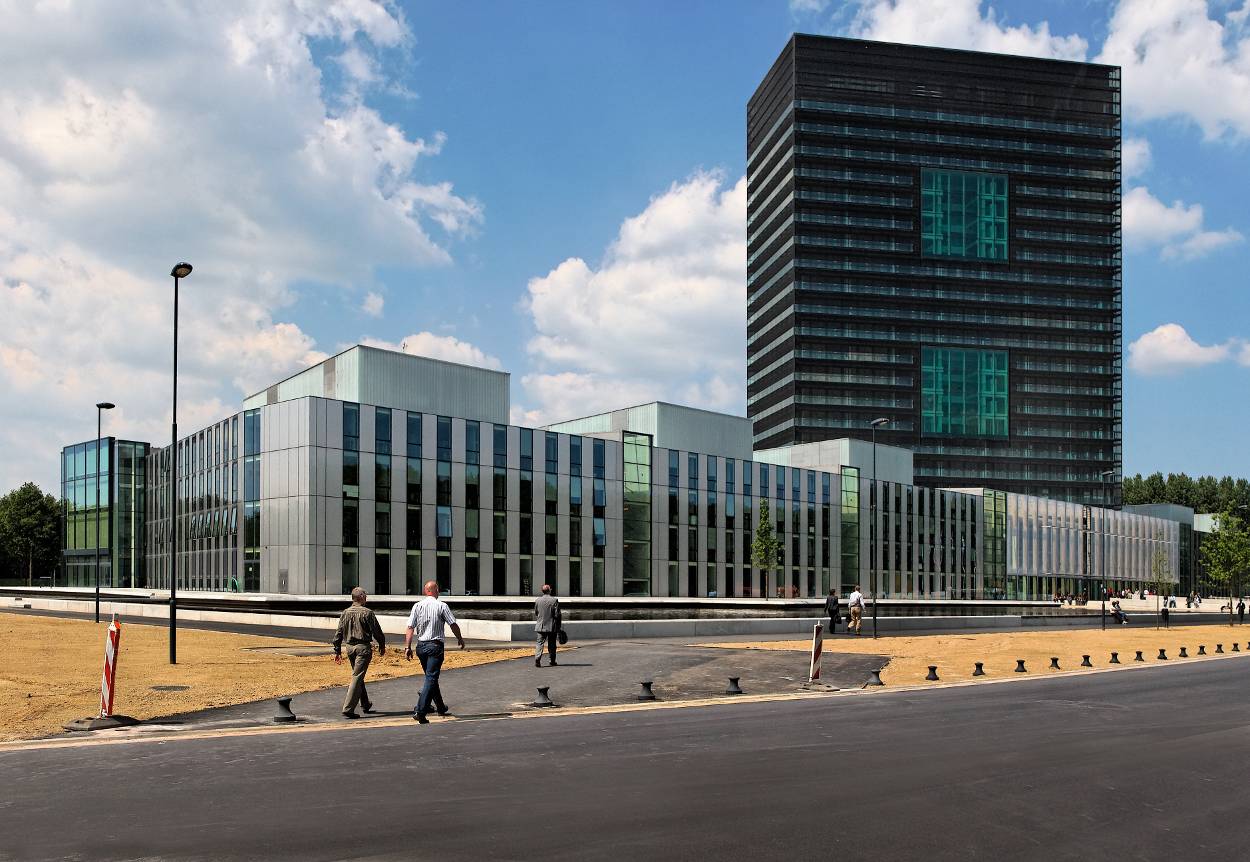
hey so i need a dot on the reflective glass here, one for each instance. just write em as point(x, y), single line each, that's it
point(963, 214)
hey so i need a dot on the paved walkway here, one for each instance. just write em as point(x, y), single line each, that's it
point(596, 674)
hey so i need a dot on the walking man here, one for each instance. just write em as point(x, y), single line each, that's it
point(855, 601)
point(546, 625)
point(360, 628)
point(426, 621)
point(1164, 614)
point(832, 606)
point(1241, 610)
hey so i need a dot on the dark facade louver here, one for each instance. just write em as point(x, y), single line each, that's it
point(934, 238)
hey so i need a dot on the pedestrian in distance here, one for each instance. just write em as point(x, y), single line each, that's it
point(855, 601)
point(1241, 610)
point(426, 621)
point(547, 623)
point(832, 607)
point(1163, 615)
point(359, 627)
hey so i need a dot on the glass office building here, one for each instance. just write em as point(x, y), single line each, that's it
point(104, 528)
point(385, 470)
point(934, 238)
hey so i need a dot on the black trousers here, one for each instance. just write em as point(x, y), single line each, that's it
point(548, 639)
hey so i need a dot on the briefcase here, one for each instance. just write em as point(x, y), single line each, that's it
point(562, 636)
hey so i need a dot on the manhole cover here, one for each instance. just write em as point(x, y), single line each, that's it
point(170, 687)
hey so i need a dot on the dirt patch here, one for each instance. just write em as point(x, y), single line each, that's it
point(956, 654)
point(50, 671)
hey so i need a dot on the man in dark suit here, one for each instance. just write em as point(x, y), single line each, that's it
point(833, 606)
point(546, 625)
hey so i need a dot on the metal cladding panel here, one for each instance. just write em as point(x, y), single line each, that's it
point(390, 379)
point(672, 426)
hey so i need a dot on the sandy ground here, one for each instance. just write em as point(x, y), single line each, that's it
point(955, 654)
point(50, 671)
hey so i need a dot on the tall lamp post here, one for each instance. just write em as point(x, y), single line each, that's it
point(1103, 476)
point(872, 548)
point(180, 271)
point(99, 412)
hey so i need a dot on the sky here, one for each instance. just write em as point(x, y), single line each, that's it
point(555, 189)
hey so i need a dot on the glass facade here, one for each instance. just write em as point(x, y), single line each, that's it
point(108, 527)
point(636, 514)
point(963, 392)
point(879, 223)
point(963, 214)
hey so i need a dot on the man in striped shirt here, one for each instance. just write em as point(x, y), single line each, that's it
point(426, 621)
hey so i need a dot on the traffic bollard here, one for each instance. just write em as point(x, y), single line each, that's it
point(1236, 648)
point(1163, 655)
point(979, 670)
point(1085, 661)
point(1054, 663)
point(1020, 666)
point(932, 677)
point(1115, 658)
point(284, 710)
point(1219, 648)
point(1138, 657)
point(1185, 652)
point(875, 679)
point(1202, 649)
point(734, 688)
point(543, 699)
point(646, 693)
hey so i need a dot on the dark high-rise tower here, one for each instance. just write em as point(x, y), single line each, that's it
point(934, 237)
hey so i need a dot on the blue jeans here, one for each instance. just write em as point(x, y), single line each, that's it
point(430, 653)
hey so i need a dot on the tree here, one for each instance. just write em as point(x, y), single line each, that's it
point(1161, 578)
point(1204, 494)
point(30, 531)
point(765, 549)
point(1226, 554)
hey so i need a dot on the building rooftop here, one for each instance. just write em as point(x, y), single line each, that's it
point(671, 426)
point(388, 378)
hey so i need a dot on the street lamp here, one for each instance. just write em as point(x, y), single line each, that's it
point(99, 412)
point(872, 549)
point(1102, 544)
point(180, 271)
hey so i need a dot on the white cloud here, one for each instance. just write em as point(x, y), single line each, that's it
point(446, 347)
point(1180, 61)
point(207, 134)
point(1135, 157)
point(1168, 349)
point(1176, 228)
point(959, 24)
point(808, 7)
point(663, 315)
point(373, 304)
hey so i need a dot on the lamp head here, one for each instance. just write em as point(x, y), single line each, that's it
point(877, 423)
point(181, 270)
point(105, 405)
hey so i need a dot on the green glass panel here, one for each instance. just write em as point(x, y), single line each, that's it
point(963, 392)
point(963, 214)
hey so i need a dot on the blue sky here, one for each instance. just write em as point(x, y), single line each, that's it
point(550, 188)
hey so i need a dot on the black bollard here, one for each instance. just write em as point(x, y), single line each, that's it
point(1020, 666)
point(1163, 655)
point(1054, 663)
point(543, 698)
point(1202, 649)
point(1085, 661)
point(284, 710)
point(979, 670)
point(1236, 648)
point(1115, 658)
point(734, 688)
point(875, 679)
point(646, 693)
point(1219, 648)
point(1185, 652)
point(1139, 656)
point(932, 677)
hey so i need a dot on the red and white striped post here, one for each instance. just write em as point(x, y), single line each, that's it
point(109, 679)
point(817, 642)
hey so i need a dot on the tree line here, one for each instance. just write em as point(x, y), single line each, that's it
point(30, 535)
point(1203, 494)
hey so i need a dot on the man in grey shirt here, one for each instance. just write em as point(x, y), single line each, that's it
point(546, 625)
point(426, 621)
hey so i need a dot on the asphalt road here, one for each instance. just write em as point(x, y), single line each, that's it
point(1135, 764)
